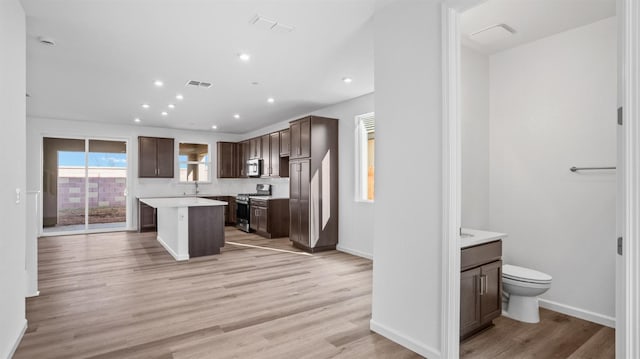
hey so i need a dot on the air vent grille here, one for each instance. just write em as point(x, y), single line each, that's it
point(195, 83)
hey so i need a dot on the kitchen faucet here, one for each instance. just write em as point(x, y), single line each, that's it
point(197, 190)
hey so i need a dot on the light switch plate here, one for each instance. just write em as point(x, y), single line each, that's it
point(17, 195)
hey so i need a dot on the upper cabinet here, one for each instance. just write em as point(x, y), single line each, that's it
point(284, 143)
point(300, 138)
point(272, 149)
point(266, 155)
point(255, 150)
point(155, 157)
point(227, 165)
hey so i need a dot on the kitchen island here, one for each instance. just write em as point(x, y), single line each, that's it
point(189, 226)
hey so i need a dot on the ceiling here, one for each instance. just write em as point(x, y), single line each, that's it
point(108, 54)
point(531, 19)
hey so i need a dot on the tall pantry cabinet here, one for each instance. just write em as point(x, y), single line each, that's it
point(313, 183)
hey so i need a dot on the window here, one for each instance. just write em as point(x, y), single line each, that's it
point(365, 151)
point(194, 162)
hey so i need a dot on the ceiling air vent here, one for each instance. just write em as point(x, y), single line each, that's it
point(493, 33)
point(195, 83)
point(270, 24)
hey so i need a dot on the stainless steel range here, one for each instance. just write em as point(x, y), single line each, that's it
point(242, 202)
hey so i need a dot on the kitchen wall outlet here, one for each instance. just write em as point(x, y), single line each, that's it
point(17, 195)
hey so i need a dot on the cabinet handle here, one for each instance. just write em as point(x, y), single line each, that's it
point(483, 284)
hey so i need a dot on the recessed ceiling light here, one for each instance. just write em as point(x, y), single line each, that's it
point(271, 100)
point(214, 127)
point(164, 113)
point(179, 97)
point(347, 80)
point(244, 57)
point(236, 116)
point(158, 83)
point(145, 105)
point(136, 119)
point(171, 106)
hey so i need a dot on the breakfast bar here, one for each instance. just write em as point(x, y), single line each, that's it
point(189, 226)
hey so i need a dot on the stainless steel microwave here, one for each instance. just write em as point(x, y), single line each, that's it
point(253, 167)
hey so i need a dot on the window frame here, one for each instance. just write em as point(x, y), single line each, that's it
point(361, 159)
point(207, 163)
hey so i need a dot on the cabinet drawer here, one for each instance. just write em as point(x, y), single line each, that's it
point(481, 254)
point(258, 202)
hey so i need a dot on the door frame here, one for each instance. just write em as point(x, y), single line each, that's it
point(86, 230)
point(628, 276)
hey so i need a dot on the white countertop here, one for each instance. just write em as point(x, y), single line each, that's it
point(473, 237)
point(188, 195)
point(268, 197)
point(181, 202)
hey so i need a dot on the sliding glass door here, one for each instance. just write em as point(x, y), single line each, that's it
point(84, 185)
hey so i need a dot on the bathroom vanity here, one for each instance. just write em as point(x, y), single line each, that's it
point(480, 280)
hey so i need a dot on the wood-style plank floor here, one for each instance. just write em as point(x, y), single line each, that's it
point(556, 336)
point(121, 295)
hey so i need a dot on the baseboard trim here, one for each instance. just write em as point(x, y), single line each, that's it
point(16, 343)
point(35, 294)
point(354, 252)
point(578, 313)
point(173, 254)
point(409, 343)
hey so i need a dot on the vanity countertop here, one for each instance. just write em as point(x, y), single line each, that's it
point(473, 237)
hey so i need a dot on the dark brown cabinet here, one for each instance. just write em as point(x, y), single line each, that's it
point(299, 183)
point(231, 218)
point(480, 287)
point(155, 157)
point(266, 155)
point(255, 148)
point(227, 164)
point(300, 138)
point(284, 143)
point(147, 218)
point(269, 217)
point(242, 155)
point(313, 208)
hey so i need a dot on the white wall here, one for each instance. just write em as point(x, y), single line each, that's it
point(407, 276)
point(141, 187)
point(474, 115)
point(12, 157)
point(355, 232)
point(553, 106)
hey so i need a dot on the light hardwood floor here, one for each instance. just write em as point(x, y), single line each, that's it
point(121, 295)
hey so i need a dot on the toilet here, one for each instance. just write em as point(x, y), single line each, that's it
point(522, 286)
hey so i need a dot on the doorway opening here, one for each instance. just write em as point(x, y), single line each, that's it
point(84, 185)
point(535, 102)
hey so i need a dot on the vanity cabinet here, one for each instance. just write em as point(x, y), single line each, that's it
point(155, 157)
point(480, 287)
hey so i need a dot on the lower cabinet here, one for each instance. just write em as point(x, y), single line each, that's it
point(147, 218)
point(480, 287)
point(229, 209)
point(269, 217)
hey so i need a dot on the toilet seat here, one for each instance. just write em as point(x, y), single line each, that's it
point(526, 275)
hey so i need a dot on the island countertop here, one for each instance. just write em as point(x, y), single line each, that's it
point(181, 202)
point(473, 237)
